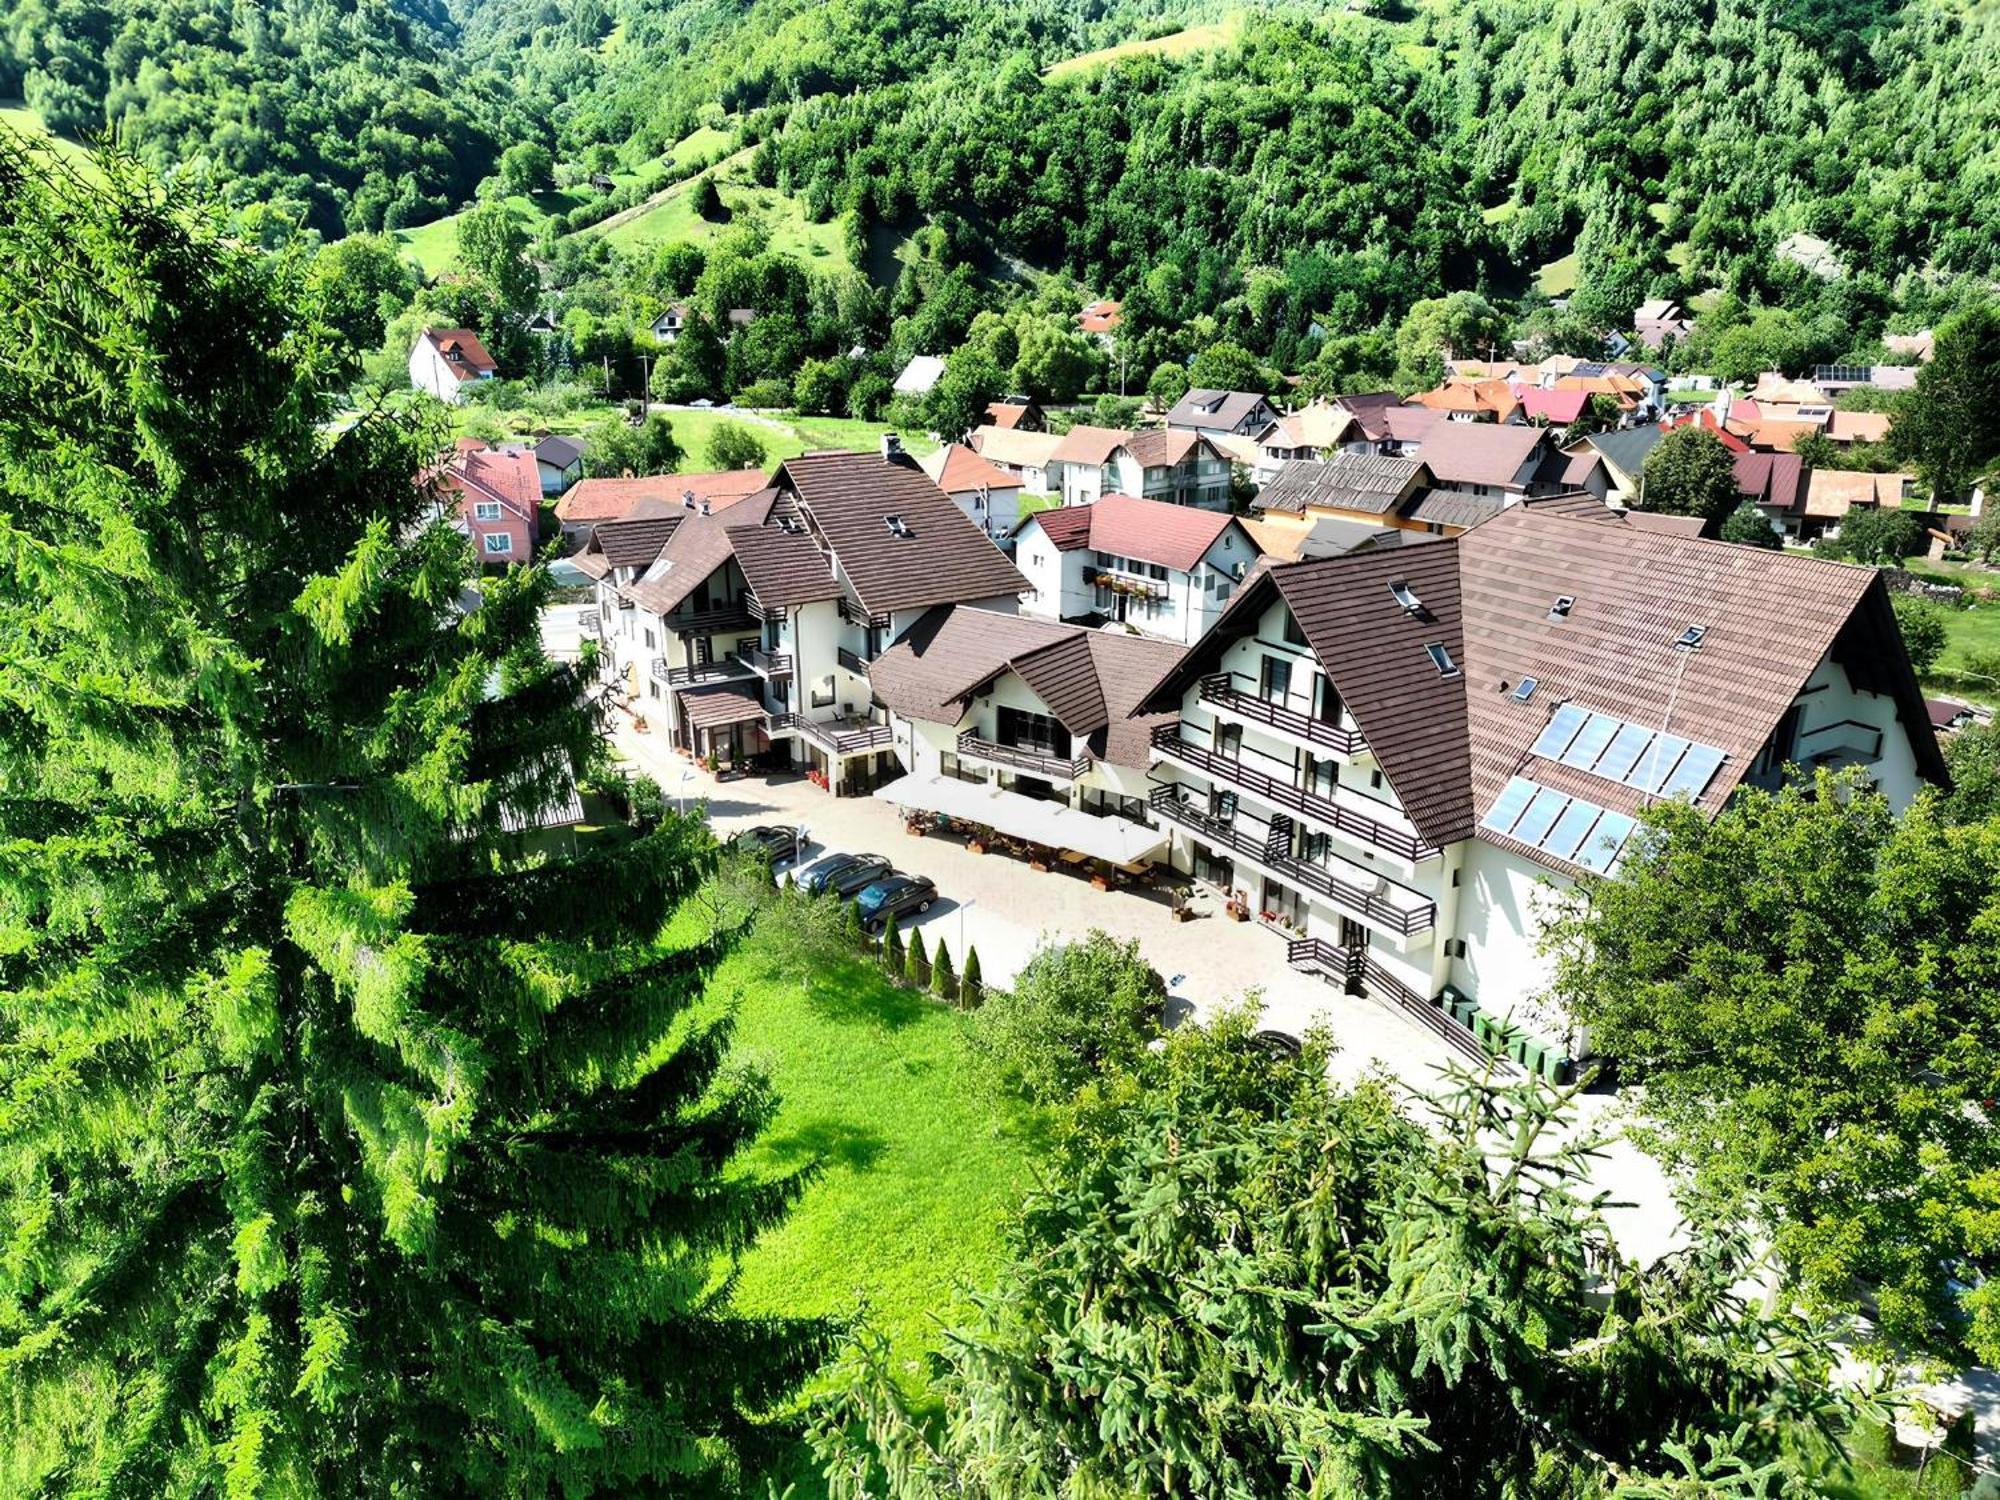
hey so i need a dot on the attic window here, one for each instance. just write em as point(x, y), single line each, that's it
point(1441, 659)
point(1563, 605)
point(897, 526)
point(1525, 689)
point(687, 499)
point(1405, 596)
point(1691, 638)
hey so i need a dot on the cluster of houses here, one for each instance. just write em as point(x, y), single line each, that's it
point(1388, 715)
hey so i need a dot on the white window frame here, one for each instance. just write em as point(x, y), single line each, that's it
point(497, 544)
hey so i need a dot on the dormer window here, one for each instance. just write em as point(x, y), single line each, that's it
point(1691, 638)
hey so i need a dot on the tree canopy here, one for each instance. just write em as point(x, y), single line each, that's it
point(1690, 473)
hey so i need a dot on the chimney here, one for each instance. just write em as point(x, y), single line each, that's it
point(704, 507)
point(892, 448)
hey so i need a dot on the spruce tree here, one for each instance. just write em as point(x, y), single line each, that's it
point(915, 969)
point(347, 1147)
point(892, 948)
point(970, 990)
point(943, 980)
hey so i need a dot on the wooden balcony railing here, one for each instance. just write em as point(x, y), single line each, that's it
point(1371, 905)
point(850, 661)
point(1038, 762)
point(1218, 690)
point(833, 737)
point(731, 616)
point(765, 663)
point(1320, 810)
point(697, 675)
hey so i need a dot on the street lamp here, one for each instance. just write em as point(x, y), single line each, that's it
point(963, 908)
point(680, 792)
point(801, 835)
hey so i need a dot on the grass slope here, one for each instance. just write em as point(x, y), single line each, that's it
point(434, 246)
point(16, 116)
point(669, 216)
point(784, 435)
point(1179, 44)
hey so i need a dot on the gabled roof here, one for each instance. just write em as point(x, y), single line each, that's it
point(1831, 493)
point(1101, 316)
point(1089, 680)
point(508, 478)
point(957, 469)
point(1452, 508)
point(1449, 744)
point(1406, 424)
point(783, 567)
point(1158, 449)
point(939, 556)
point(1009, 414)
point(464, 355)
point(634, 543)
point(919, 375)
point(614, 499)
point(1174, 536)
point(699, 546)
point(1626, 449)
point(1202, 407)
point(1317, 425)
point(1368, 482)
point(1478, 452)
point(1010, 445)
point(1559, 407)
point(1773, 479)
point(1084, 444)
point(558, 450)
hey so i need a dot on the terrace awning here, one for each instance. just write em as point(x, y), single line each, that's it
point(719, 707)
point(1119, 841)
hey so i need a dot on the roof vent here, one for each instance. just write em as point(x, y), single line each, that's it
point(892, 446)
point(1691, 638)
point(1405, 596)
point(1441, 659)
point(704, 508)
point(898, 527)
point(687, 499)
point(1525, 689)
point(1563, 605)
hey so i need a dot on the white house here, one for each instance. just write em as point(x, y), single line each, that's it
point(1178, 467)
point(919, 375)
point(668, 325)
point(1235, 413)
point(444, 360)
point(1028, 456)
point(559, 462)
point(1167, 570)
point(1027, 727)
point(1398, 759)
point(989, 495)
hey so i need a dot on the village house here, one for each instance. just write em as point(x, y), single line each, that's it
point(1313, 431)
point(1396, 758)
point(445, 360)
point(1166, 570)
point(1623, 453)
point(558, 462)
point(1466, 400)
point(1831, 494)
point(1016, 414)
point(668, 325)
point(1026, 727)
point(494, 496)
point(1080, 467)
point(1370, 489)
point(1101, 318)
point(744, 634)
point(589, 503)
point(1659, 320)
point(1028, 456)
point(989, 495)
point(920, 375)
point(1232, 413)
point(1504, 464)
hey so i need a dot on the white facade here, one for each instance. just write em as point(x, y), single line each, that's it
point(431, 371)
point(994, 509)
point(1173, 604)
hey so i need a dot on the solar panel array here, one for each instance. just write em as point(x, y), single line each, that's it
point(1661, 764)
point(1568, 827)
point(1850, 374)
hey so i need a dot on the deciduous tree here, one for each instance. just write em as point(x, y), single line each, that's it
point(1690, 473)
point(1948, 428)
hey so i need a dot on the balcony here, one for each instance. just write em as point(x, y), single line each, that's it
point(761, 611)
point(734, 615)
point(1128, 584)
point(1847, 743)
point(1321, 810)
point(1022, 758)
point(1272, 854)
point(835, 736)
point(1218, 692)
point(850, 661)
point(698, 674)
point(765, 663)
point(854, 614)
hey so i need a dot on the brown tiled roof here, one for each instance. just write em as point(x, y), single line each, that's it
point(1404, 424)
point(700, 545)
point(947, 653)
point(1068, 526)
point(635, 543)
point(1157, 449)
point(783, 568)
point(1478, 452)
point(1083, 444)
point(613, 499)
point(1450, 508)
point(464, 355)
point(1369, 482)
point(1128, 665)
point(1024, 450)
point(716, 707)
point(1653, 520)
point(945, 559)
point(1063, 674)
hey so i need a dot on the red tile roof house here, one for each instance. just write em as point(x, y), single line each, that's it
point(1166, 570)
point(495, 497)
point(443, 360)
point(590, 502)
point(989, 495)
point(1394, 751)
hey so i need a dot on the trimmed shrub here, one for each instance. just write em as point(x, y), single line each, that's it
point(944, 983)
point(1076, 1011)
point(970, 991)
point(915, 967)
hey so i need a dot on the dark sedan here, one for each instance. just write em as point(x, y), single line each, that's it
point(896, 896)
point(774, 842)
point(844, 874)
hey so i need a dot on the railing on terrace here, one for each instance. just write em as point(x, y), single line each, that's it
point(1218, 689)
point(697, 675)
point(1371, 905)
point(850, 661)
point(765, 663)
point(832, 736)
point(1040, 762)
point(1322, 810)
point(731, 616)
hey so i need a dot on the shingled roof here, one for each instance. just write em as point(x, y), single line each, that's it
point(937, 556)
point(1368, 482)
point(1174, 536)
point(783, 567)
point(1449, 744)
point(700, 545)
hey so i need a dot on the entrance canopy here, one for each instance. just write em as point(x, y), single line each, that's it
point(1117, 840)
point(718, 708)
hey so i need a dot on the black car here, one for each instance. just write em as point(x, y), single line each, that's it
point(773, 841)
point(844, 874)
point(894, 896)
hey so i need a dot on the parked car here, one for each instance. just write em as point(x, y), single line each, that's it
point(844, 874)
point(893, 897)
point(775, 842)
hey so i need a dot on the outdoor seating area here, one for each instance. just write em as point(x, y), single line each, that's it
point(1112, 853)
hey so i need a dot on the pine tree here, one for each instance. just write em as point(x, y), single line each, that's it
point(851, 924)
point(343, 1148)
point(971, 991)
point(943, 981)
point(892, 948)
point(915, 969)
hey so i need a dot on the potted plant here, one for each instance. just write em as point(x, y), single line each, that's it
point(977, 843)
point(1237, 908)
point(710, 763)
point(639, 725)
point(1180, 911)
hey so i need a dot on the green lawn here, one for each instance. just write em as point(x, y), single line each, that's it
point(669, 216)
point(1032, 503)
point(922, 1160)
point(785, 436)
point(18, 117)
point(1558, 277)
point(434, 246)
point(1179, 44)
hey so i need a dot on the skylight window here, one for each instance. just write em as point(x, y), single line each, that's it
point(1524, 689)
point(1563, 605)
point(1441, 659)
point(1691, 637)
point(898, 527)
point(1405, 596)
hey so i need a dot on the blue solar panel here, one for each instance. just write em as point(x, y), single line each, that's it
point(1568, 834)
point(1692, 776)
point(1507, 806)
point(1617, 762)
point(1658, 763)
point(1601, 849)
point(1560, 731)
point(1540, 816)
point(1590, 742)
